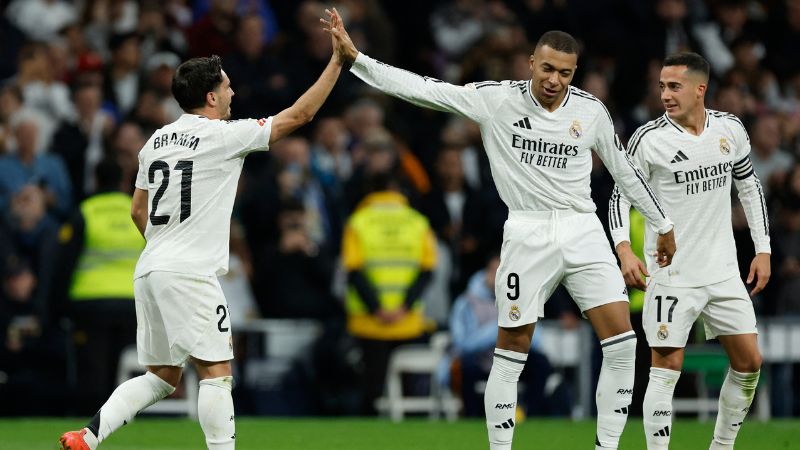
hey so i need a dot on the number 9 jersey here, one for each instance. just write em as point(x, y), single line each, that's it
point(190, 170)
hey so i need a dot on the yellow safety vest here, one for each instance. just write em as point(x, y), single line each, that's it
point(636, 296)
point(391, 243)
point(112, 245)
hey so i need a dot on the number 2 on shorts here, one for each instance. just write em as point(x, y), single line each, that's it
point(674, 301)
point(221, 310)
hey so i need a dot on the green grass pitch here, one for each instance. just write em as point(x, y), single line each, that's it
point(368, 434)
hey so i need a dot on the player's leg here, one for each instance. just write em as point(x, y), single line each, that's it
point(612, 324)
point(123, 405)
point(665, 371)
point(667, 319)
point(529, 271)
point(215, 404)
point(738, 389)
point(500, 398)
point(163, 371)
point(730, 317)
point(211, 355)
point(594, 281)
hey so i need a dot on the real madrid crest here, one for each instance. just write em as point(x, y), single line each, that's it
point(575, 129)
point(662, 332)
point(724, 147)
point(514, 314)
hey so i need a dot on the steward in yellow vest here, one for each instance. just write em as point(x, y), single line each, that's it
point(389, 252)
point(100, 246)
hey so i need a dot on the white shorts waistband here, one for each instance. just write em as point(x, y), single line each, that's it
point(539, 216)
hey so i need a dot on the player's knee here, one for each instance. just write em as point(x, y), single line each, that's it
point(620, 350)
point(748, 364)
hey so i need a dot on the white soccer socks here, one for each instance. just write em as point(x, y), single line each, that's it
point(657, 407)
point(735, 398)
point(614, 388)
point(215, 410)
point(500, 398)
point(125, 402)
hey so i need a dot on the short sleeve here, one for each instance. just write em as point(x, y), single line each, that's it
point(246, 135)
point(141, 175)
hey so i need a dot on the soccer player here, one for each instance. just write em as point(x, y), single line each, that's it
point(691, 155)
point(188, 172)
point(538, 135)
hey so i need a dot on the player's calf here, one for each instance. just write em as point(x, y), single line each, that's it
point(657, 407)
point(615, 388)
point(735, 399)
point(215, 411)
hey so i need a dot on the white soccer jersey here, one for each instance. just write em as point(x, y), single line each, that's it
point(692, 176)
point(540, 160)
point(190, 170)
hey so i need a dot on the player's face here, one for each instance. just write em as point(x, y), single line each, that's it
point(224, 95)
point(552, 72)
point(681, 91)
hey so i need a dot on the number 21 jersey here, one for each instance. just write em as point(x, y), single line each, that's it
point(190, 170)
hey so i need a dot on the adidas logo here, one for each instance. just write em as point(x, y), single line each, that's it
point(662, 432)
point(737, 424)
point(623, 410)
point(523, 123)
point(507, 424)
point(679, 157)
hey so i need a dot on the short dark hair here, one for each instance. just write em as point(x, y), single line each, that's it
point(692, 61)
point(559, 41)
point(194, 79)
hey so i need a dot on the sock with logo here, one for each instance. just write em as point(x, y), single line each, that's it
point(657, 407)
point(125, 402)
point(215, 411)
point(735, 398)
point(500, 398)
point(614, 388)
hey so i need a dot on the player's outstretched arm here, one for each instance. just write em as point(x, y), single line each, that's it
point(422, 91)
point(304, 109)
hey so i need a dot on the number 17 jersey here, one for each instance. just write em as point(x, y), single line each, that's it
point(190, 170)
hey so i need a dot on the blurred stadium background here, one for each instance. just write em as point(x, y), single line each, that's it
point(86, 82)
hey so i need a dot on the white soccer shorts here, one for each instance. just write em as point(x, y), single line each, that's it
point(181, 315)
point(669, 312)
point(541, 250)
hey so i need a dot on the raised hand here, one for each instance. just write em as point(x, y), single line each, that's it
point(344, 51)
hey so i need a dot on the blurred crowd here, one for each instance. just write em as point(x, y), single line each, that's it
point(84, 83)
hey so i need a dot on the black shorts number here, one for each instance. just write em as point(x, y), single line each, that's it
point(669, 298)
point(513, 284)
point(186, 189)
point(221, 310)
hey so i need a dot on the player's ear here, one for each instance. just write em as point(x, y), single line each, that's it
point(701, 89)
point(211, 98)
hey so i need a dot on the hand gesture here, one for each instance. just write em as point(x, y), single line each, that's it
point(631, 266)
point(759, 270)
point(665, 248)
point(344, 51)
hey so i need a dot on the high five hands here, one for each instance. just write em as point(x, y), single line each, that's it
point(344, 51)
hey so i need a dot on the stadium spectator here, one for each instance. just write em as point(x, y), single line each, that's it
point(31, 167)
point(770, 161)
point(389, 252)
point(121, 77)
point(99, 247)
point(81, 142)
point(473, 329)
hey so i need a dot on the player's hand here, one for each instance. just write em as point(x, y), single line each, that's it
point(344, 51)
point(760, 270)
point(665, 248)
point(390, 316)
point(631, 266)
